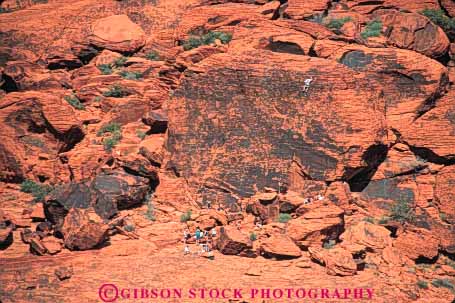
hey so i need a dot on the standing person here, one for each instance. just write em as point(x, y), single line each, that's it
point(186, 250)
point(197, 235)
point(213, 232)
point(185, 235)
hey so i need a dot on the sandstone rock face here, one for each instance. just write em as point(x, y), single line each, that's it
point(293, 135)
point(80, 233)
point(366, 7)
point(280, 246)
point(117, 33)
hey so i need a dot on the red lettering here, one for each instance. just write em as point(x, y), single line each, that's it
point(324, 293)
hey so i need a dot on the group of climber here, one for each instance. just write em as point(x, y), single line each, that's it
point(203, 239)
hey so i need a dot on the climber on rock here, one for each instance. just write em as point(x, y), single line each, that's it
point(307, 83)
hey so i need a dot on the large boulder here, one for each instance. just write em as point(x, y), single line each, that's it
point(6, 231)
point(337, 261)
point(117, 33)
point(80, 232)
point(415, 32)
point(418, 243)
point(409, 81)
point(316, 225)
point(280, 246)
point(300, 9)
point(63, 198)
point(36, 127)
point(232, 241)
point(365, 236)
point(117, 191)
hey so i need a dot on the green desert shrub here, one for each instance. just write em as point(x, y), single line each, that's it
point(141, 135)
point(422, 284)
point(153, 56)
point(33, 141)
point(105, 69)
point(284, 218)
point(438, 17)
point(373, 29)
point(109, 128)
point(38, 191)
point(443, 283)
point(402, 212)
point(253, 237)
point(185, 217)
point(337, 23)
point(116, 91)
point(119, 62)
point(74, 102)
point(206, 39)
point(115, 131)
point(130, 75)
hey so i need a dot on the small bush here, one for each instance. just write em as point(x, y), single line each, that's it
point(141, 135)
point(112, 127)
point(422, 284)
point(129, 228)
point(37, 190)
point(253, 237)
point(120, 61)
point(112, 141)
point(373, 29)
point(74, 102)
point(33, 141)
point(98, 99)
point(443, 283)
point(402, 212)
point(116, 91)
point(369, 220)
point(284, 218)
point(185, 217)
point(105, 69)
point(329, 244)
point(384, 220)
point(115, 130)
point(130, 75)
point(153, 56)
point(438, 17)
point(209, 38)
point(337, 23)
point(150, 213)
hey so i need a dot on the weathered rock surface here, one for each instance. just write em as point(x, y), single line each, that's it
point(337, 260)
point(232, 241)
point(364, 236)
point(317, 224)
point(414, 31)
point(117, 33)
point(280, 246)
point(80, 233)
